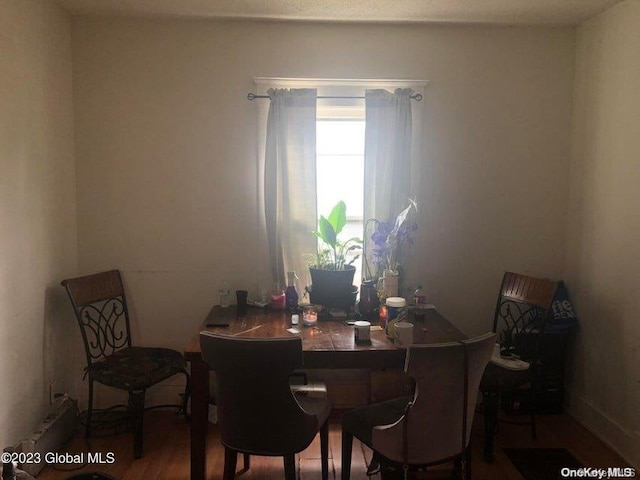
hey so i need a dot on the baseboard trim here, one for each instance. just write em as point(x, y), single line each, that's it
point(623, 442)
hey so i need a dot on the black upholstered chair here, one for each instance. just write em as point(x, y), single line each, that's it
point(258, 411)
point(519, 320)
point(100, 306)
point(434, 425)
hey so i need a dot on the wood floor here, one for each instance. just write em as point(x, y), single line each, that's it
point(167, 452)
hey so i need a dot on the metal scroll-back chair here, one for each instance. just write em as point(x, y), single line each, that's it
point(519, 320)
point(258, 411)
point(100, 306)
point(433, 426)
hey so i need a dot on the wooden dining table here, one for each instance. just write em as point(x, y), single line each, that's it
point(328, 345)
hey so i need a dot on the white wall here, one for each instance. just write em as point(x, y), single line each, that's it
point(603, 248)
point(166, 153)
point(37, 210)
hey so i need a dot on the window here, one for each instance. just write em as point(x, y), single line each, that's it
point(340, 128)
point(340, 172)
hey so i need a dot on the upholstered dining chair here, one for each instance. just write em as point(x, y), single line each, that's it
point(258, 412)
point(100, 306)
point(519, 321)
point(434, 425)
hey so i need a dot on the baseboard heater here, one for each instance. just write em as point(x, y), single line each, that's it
point(52, 434)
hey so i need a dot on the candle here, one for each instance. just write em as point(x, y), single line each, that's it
point(310, 315)
point(383, 315)
point(277, 301)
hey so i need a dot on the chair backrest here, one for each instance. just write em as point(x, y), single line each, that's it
point(256, 408)
point(100, 306)
point(439, 422)
point(522, 308)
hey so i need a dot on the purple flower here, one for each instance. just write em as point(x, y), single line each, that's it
point(392, 239)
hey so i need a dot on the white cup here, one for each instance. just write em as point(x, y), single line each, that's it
point(362, 331)
point(403, 334)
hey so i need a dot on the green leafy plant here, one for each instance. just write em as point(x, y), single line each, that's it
point(334, 254)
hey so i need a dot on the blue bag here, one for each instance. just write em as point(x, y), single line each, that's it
point(561, 316)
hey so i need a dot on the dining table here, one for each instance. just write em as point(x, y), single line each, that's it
point(330, 344)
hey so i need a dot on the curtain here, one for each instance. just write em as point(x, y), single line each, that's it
point(387, 154)
point(290, 182)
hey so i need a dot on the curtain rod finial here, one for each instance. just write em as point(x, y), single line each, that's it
point(251, 96)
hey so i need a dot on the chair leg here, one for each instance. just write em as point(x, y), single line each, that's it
point(289, 467)
point(230, 461)
point(533, 399)
point(324, 449)
point(490, 401)
point(246, 462)
point(462, 466)
point(465, 473)
point(347, 442)
point(87, 427)
point(186, 396)
point(136, 408)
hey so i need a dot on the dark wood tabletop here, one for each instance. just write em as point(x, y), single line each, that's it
point(330, 344)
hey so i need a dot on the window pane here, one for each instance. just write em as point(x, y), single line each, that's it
point(340, 166)
point(340, 177)
point(345, 137)
point(340, 174)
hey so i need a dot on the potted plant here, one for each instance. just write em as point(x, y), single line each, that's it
point(332, 269)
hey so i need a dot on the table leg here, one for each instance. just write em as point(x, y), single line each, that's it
point(199, 418)
point(490, 403)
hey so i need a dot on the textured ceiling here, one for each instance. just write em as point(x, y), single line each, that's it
point(503, 12)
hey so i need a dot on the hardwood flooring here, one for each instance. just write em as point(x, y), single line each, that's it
point(166, 452)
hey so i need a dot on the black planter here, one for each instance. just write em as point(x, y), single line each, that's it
point(333, 288)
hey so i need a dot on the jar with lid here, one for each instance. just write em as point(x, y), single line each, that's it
point(395, 306)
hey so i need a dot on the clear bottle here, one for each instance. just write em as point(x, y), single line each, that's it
point(291, 294)
point(418, 296)
point(225, 294)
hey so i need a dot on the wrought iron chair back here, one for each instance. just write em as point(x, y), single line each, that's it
point(520, 320)
point(100, 307)
point(522, 308)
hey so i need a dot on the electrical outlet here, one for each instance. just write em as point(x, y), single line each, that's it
point(52, 391)
point(52, 387)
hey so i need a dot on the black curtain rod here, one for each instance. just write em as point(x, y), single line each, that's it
point(252, 96)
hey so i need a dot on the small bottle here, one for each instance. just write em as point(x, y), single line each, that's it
point(291, 293)
point(295, 319)
point(418, 296)
point(225, 294)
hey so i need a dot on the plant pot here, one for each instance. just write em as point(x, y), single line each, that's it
point(333, 288)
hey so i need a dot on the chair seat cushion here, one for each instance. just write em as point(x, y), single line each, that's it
point(496, 378)
point(137, 368)
point(360, 421)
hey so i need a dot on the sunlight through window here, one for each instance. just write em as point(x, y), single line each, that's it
point(340, 173)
